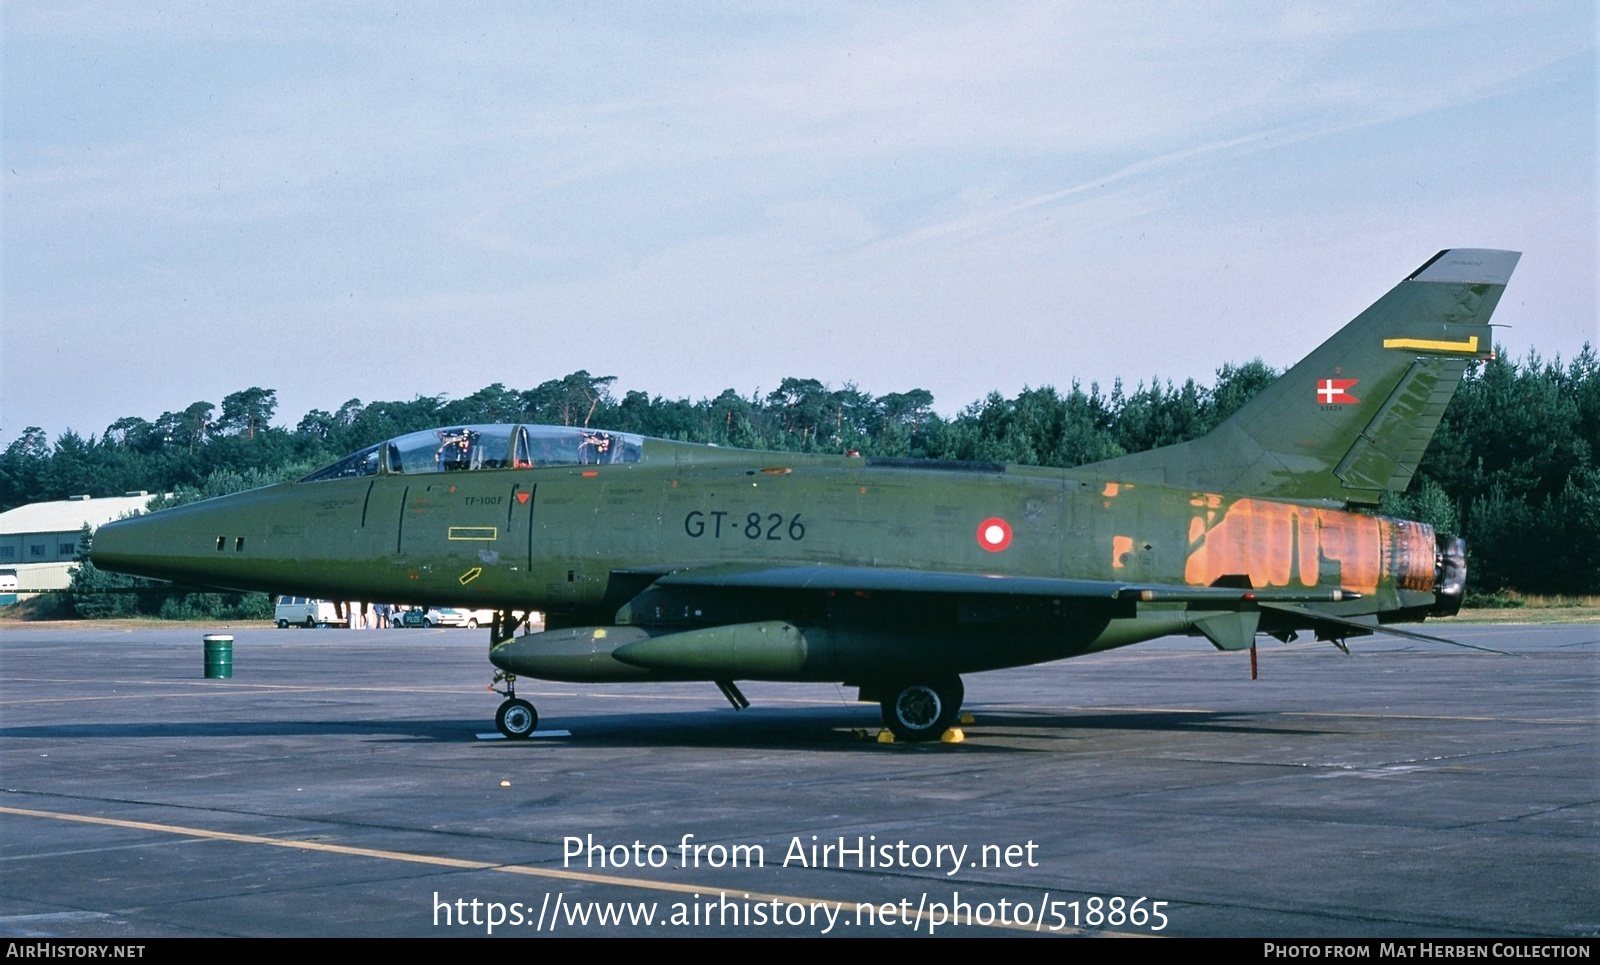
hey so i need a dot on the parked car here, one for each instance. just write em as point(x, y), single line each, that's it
point(299, 611)
point(418, 616)
point(447, 616)
point(475, 618)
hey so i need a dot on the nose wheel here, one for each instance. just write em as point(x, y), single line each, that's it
point(516, 719)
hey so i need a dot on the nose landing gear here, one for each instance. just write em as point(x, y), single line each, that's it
point(516, 718)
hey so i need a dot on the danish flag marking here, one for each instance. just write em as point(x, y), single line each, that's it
point(1335, 391)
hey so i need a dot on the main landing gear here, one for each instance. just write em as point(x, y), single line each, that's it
point(921, 710)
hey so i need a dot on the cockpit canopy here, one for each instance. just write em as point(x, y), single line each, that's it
point(471, 448)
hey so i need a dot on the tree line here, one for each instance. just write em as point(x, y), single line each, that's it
point(1514, 466)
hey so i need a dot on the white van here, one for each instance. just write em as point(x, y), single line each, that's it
point(8, 581)
point(299, 611)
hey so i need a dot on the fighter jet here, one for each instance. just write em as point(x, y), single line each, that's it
point(656, 560)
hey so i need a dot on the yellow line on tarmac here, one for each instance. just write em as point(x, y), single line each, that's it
point(1358, 715)
point(469, 865)
point(233, 685)
point(1482, 720)
point(211, 688)
point(214, 688)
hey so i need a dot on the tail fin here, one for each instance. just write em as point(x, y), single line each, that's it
point(1353, 418)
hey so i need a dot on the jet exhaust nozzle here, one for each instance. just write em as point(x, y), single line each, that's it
point(1450, 576)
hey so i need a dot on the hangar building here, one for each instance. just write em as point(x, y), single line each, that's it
point(39, 541)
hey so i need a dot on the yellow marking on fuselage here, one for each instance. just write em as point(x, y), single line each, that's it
point(474, 532)
point(1432, 345)
point(470, 575)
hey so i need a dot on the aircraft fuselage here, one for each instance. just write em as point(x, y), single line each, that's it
point(581, 543)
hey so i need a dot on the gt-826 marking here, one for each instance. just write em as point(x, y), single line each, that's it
point(754, 526)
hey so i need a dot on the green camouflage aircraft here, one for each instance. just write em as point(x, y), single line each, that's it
point(668, 561)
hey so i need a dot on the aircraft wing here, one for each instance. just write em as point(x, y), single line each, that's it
point(1236, 610)
point(799, 576)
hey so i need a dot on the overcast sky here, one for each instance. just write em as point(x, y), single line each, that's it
point(378, 201)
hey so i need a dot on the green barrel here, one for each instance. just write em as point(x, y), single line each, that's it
point(219, 656)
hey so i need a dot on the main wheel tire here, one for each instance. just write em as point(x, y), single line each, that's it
point(283, 624)
point(924, 710)
point(311, 623)
point(472, 624)
point(517, 719)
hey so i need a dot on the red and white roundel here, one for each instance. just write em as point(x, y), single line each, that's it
point(994, 534)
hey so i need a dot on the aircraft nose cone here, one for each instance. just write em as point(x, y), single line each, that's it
point(172, 544)
point(116, 546)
